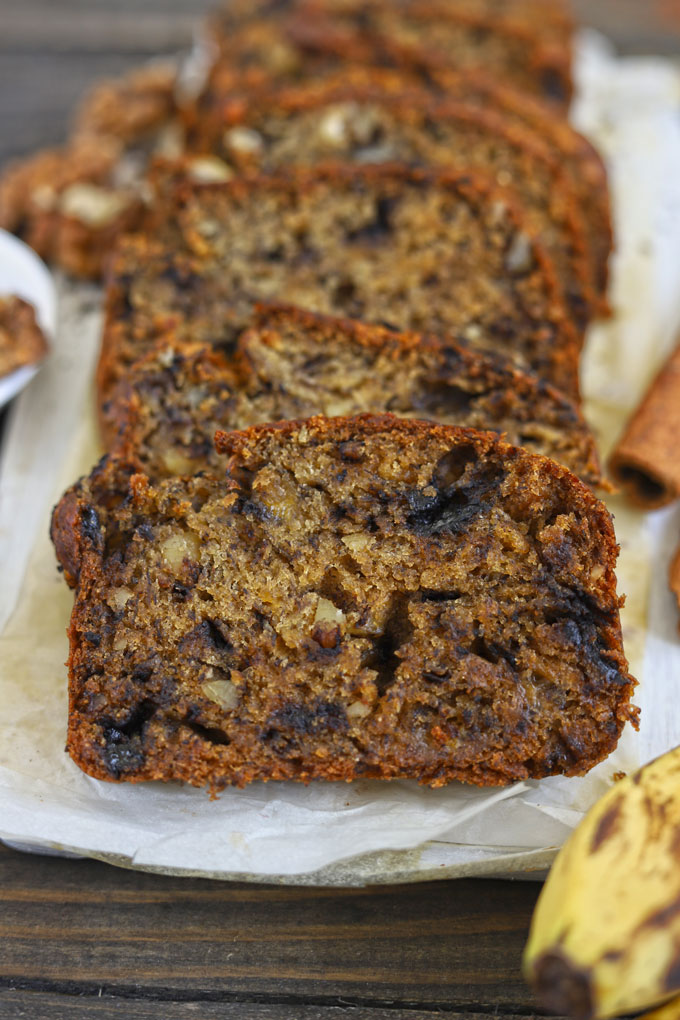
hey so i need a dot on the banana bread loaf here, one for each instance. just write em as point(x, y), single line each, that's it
point(368, 597)
point(294, 364)
point(22, 341)
point(430, 251)
point(69, 203)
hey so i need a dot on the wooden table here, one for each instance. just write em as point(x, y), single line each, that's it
point(83, 939)
point(80, 936)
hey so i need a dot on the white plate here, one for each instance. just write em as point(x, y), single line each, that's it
point(22, 273)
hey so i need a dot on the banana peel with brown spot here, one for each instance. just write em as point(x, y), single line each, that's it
point(605, 936)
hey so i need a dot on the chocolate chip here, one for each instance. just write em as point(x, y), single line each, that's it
point(90, 526)
point(380, 227)
point(452, 507)
point(311, 720)
point(553, 85)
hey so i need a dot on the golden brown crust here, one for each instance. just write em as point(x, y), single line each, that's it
point(350, 220)
point(22, 341)
point(65, 534)
point(365, 597)
point(645, 461)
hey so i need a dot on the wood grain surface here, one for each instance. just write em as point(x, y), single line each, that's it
point(42, 1006)
point(84, 930)
point(46, 1007)
point(80, 939)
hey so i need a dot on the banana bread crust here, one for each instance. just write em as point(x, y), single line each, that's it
point(369, 597)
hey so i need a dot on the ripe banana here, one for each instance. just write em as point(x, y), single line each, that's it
point(605, 936)
point(671, 1011)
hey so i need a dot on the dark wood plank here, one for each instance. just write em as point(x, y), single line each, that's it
point(77, 926)
point(16, 1004)
point(38, 95)
point(79, 26)
point(635, 26)
point(51, 53)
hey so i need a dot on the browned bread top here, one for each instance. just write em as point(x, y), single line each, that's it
point(545, 17)
point(367, 597)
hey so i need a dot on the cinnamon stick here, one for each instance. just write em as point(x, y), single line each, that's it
point(674, 576)
point(646, 460)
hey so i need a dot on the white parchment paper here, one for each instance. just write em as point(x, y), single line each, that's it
point(363, 831)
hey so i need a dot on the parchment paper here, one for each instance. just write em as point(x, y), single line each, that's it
point(364, 831)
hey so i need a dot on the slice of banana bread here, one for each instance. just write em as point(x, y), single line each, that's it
point(22, 341)
point(295, 364)
point(431, 251)
point(370, 597)
point(579, 158)
point(367, 124)
point(230, 98)
point(424, 36)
